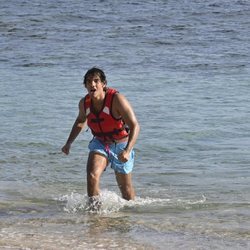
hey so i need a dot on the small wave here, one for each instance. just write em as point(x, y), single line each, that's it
point(110, 202)
point(107, 202)
point(193, 202)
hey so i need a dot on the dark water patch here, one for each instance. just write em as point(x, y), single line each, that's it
point(35, 65)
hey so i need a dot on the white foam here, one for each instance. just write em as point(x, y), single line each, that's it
point(109, 202)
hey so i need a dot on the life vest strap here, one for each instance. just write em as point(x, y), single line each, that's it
point(97, 120)
point(108, 134)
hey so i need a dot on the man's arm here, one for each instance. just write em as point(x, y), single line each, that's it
point(77, 127)
point(125, 110)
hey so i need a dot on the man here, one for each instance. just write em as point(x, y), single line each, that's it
point(115, 128)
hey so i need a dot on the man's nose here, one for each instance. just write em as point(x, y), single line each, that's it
point(92, 83)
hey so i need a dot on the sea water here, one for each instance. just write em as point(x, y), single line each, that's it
point(184, 66)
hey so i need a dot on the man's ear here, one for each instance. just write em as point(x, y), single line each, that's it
point(104, 85)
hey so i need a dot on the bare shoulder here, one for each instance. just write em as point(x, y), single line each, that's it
point(81, 104)
point(120, 100)
point(121, 106)
point(81, 115)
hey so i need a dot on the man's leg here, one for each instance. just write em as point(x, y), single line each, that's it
point(124, 182)
point(95, 167)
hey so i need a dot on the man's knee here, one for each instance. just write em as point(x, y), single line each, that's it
point(127, 192)
point(92, 177)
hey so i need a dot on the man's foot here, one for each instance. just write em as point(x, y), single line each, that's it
point(94, 204)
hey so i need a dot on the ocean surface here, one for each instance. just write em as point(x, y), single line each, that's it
point(184, 66)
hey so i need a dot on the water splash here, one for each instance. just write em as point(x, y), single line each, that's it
point(109, 202)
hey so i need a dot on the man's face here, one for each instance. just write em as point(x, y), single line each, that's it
point(94, 85)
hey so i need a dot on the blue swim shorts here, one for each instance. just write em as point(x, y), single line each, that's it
point(111, 152)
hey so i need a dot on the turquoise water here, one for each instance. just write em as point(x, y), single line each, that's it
point(184, 66)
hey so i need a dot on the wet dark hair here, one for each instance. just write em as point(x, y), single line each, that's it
point(95, 71)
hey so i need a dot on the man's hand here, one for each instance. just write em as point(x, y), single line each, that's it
point(66, 148)
point(124, 156)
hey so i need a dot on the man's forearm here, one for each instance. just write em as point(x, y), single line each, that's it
point(75, 131)
point(133, 135)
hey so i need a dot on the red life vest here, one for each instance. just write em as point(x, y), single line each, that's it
point(104, 125)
